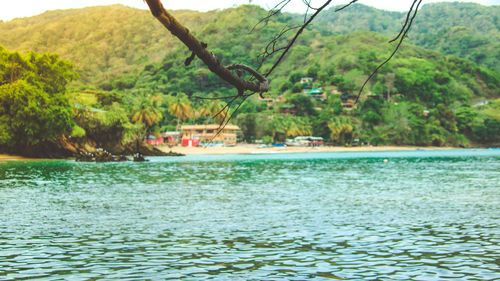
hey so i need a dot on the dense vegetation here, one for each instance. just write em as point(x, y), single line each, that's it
point(103, 42)
point(466, 30)
point(33, 103)
point(109, 41)
point(134, 83)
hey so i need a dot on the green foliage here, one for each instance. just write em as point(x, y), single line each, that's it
point(107, 128)
point(102, 41)
point(180, 107)
point(487, 131)
point(486, 125)
point(78, 132)
point(342, 129)
point(351, 81)
point(33, 103)
point(248, 125)
point(421, 97)
point(397, 119)
point(146, 112)
point(466, 30)
point(267, 139)
point(465, 116)
point(283, 126)
point(303, 104)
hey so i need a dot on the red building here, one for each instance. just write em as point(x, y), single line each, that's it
point(170, 138)
point(155, 140)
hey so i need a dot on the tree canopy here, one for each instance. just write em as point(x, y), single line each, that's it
point(33, 102)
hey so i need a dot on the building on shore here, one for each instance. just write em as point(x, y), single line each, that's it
point(193, 135)
point(169, 138)
point(154, 140)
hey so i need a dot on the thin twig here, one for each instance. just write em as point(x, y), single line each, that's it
point(272, 12)
point(408, 15)
point(345, 6)
point(294, 39)
point(404, 33)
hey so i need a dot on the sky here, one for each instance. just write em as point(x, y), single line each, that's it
point(27, 8)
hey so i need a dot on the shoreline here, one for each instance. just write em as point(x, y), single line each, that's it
point(8, 157)
point(255, 149)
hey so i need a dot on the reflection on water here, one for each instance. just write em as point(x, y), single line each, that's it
point(426, 215)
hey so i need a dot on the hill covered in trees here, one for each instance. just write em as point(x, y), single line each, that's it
point(107, 41)
point(133, 81)
point(103, 41)
point(466, 30)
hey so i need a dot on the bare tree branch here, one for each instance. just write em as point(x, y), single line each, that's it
point(197, 47)
point(271, 48)
point(408, 15)
point(262, 84)
point(345, 6)
point(272, 12)
point(294, 39)
point(227, 118)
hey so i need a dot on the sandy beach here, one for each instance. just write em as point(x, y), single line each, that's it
point(255, 149)
point(12, 157)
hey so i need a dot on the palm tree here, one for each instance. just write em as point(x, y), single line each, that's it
point(146, 112)
point(340, 128)
point(290, 126)
point(203, 112)
point(180, 107)
point(278, 126)
point(298, 127)
point(213, 110)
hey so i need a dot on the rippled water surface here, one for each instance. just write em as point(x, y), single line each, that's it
point(422, 215)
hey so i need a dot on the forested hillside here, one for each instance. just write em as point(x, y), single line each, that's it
point(466, 30)
point(103, 42)
point(133, 81)
point(107, 41)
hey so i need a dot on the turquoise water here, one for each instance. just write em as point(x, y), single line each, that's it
point(420, 215)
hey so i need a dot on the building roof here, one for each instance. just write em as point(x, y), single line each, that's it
point(171, 134)
point(314, 91)
point(210, 127)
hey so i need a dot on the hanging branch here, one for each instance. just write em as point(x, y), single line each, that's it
point(301, 28)
point(346, 5)
point(402, 35)
point(403, 28)
point(233, 73)
point(271, 48)
point(294, 39)
point(199, 49)
point(272, 12)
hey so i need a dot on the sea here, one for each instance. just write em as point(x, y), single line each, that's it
point(388, 215)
